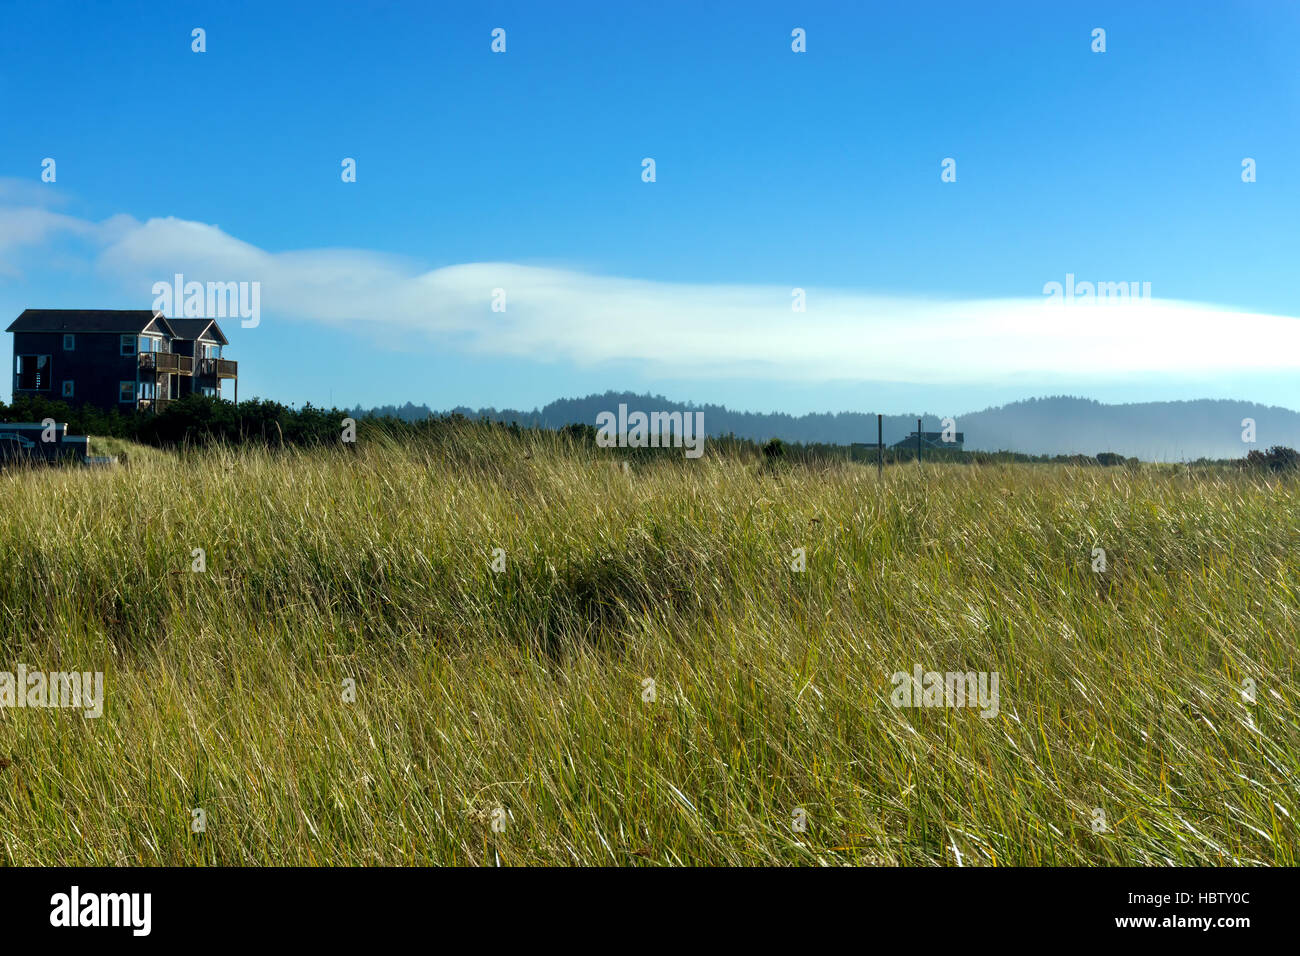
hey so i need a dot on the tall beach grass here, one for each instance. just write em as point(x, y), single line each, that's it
point(503, 717)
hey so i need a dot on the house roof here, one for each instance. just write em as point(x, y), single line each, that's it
point(198, 329)
point(930, 438)
point(88, 320)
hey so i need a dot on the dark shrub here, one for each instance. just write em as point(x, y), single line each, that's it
point(201, 419)
point(582, 434)
point(1277, 458)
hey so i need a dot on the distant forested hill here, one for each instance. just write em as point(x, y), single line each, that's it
point(1058, 425)
point(1153, 431)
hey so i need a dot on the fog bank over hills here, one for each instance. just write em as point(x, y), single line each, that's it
point(1057, 425)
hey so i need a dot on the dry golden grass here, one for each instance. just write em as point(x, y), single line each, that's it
point(518, 696)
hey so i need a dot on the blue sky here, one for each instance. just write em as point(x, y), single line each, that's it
point(774, 170)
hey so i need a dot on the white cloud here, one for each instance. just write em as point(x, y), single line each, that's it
point(562, 314)
point(25, 226)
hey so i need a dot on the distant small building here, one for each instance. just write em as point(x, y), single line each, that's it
point(931, 440)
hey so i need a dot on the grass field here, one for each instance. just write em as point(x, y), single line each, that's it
point(502, 717)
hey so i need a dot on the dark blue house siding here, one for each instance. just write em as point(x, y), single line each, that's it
point(95, 366)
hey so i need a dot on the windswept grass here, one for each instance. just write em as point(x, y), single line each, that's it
point(521, 692)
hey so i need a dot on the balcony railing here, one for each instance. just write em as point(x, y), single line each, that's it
point(166, 362)
point(217, 368)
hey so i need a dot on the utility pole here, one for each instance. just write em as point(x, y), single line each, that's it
point(918, 441)
point(880, 446)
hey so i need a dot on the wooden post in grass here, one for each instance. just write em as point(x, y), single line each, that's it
point(918, 441)
point(880, 446)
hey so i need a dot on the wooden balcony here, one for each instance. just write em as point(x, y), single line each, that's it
point(164, 363)
point(216, 368)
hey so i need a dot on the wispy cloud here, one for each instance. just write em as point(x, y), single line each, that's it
point(689, 329)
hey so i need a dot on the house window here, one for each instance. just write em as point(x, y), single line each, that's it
point(69, 342)
point(67, 388)
point(33, 372)
point(126, 391)
point(127, 346)
point(147, 390)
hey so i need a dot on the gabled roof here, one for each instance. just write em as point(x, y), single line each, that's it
point(89, 320)
point(198, 329)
